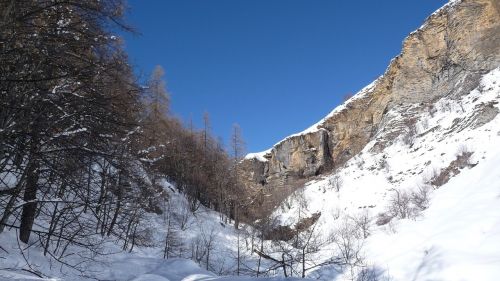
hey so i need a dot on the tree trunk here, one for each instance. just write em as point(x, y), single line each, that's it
point(283, 264)
point(87, 198)
point(238, 268)
point(118, 204)
point(260, 257)
point(208, 257)
point(29, 208)
point(236, 216)
point(304, 262)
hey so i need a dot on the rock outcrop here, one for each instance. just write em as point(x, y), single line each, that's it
point(445, 57)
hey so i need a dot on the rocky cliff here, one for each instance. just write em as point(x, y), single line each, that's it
point(445, 57)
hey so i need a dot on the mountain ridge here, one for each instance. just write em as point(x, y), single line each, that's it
point(454, 47)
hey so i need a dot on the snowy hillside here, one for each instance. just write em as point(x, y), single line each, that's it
point(189, 234)
point(135, 268)
point(451, 163)
point(99, 180)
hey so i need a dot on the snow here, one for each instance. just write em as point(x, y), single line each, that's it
point(449, 5)
point(144, 263)
point(457, 237)
point(259, 155)
point(71, 132)
point(362, 93)
point(316, 127)
point(129, 268)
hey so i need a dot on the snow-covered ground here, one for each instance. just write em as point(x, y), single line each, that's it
point(458, 236)
point(192, 231)
point(136, 268)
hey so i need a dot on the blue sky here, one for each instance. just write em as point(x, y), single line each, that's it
point(275, 67)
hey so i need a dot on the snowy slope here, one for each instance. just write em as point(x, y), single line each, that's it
point(143, 263)
point(458, 236)
point(134, 268)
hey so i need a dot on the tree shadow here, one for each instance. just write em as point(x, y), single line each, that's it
point(431, 262)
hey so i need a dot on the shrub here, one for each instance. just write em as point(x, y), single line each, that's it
point(348, 246)
point(411, 131)
point(336, 182)
point(463, 155)
point(363, 223)
point(406, 204)
point(399, 204)
point(420, 197)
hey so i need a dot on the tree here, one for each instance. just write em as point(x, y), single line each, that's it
point(348, 244)
point(64, 99)
point(171, 235)
point(82, 146)
point(237, 150)
point(159, 98)
point(206, 129)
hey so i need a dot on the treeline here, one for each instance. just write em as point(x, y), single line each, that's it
point(83, 145)
point(196, 161)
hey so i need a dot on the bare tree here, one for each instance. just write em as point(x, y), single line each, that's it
point(171, 236)
point(209, 239)
point(348, 246)
point(399, 204)
point(419, 197)
point(362, 222)
point(336, 182)
point(237, 150)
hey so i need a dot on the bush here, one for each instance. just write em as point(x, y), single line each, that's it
point(336, 182)
point(463, 156)
point(363, 223)
point(383, 164)
point(348, 246)
point(407, 204)
point(411, 131)
point(420, 197)
point(399, 204)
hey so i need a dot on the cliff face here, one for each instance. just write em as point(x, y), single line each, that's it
point(445, 57)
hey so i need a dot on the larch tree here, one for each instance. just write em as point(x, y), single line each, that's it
point(237, 152)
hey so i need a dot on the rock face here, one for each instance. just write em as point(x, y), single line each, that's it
point(445, 57)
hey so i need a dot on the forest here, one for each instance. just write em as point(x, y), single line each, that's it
point(83, 142)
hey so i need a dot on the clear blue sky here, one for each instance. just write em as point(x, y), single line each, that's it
point(273, 66)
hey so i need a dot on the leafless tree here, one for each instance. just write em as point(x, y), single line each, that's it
point(399, 204)
point(362, 222)
point(348, 247)
point(336, 182)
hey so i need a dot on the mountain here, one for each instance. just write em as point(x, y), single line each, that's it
point(445, 58)
point(399, 183)
point(406, 171)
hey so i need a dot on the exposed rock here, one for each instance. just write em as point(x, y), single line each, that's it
point(484, 114)
point(445, 57)
point(286, 232)
point(462, 161)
